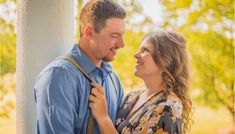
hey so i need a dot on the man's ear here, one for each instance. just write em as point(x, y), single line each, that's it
point(88, 32)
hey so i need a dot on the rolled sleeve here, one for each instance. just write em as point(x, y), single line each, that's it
point(57, 101)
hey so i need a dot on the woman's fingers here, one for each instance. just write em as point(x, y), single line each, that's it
point(95, 95)
point(95, 92)
point(97, 102)
point(91, 104)
point(92, 98)
point(98, 86)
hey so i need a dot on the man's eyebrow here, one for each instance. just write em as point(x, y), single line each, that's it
point(115, 33)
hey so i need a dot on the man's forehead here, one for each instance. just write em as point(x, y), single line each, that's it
point(115, 25)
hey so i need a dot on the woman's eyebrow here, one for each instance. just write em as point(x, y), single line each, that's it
point(145, 48)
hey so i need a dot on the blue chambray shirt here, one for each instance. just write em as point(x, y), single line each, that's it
point(61, 94)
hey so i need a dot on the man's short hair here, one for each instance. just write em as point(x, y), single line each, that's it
point(96, 12)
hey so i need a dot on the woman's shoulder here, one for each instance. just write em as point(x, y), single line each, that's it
point(168, 114)
point(173, 105)
point(134, 93)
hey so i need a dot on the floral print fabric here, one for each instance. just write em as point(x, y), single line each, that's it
point(160, 114)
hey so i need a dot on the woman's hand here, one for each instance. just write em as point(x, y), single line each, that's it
point(97, 103)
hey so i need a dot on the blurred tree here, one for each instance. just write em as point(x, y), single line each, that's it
point(7, 95)
point(7, 38)
point(208, 26)
point(7, 49)
point(7, 57)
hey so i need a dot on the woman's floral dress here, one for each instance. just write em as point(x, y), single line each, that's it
point(159, 114)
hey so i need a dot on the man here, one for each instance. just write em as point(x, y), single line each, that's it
point(62, 91)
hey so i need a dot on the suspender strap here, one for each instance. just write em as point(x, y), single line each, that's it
point(71, 60)
point(90, 125)
point(114, 83)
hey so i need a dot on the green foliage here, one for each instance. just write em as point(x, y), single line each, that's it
point(212, 56)
point(208, 26)
point(176, 4)
point(8, 47)
point(3, 1)
point(8, 53)
point(7, 94)
point(7, 65)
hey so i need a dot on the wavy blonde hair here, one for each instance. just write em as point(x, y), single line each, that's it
point(170, 55)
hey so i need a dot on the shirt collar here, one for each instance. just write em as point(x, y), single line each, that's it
point(85, 62)
point(106, 66)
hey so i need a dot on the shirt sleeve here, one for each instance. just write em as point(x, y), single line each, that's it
point(57, 101)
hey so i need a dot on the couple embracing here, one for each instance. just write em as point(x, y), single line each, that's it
point(80, 93)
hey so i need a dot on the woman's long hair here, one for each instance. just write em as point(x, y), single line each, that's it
point(170, 56)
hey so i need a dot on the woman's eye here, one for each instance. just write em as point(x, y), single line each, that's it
point(145, 51)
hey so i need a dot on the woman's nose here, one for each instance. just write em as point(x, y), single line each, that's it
point(137, 55)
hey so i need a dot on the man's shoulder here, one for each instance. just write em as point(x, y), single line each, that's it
point(60, 66)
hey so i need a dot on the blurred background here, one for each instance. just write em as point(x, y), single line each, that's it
point(208, 26)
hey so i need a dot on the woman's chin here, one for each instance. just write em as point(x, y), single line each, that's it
point(136, 73)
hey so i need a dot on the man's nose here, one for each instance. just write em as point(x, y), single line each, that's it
point(121, 42)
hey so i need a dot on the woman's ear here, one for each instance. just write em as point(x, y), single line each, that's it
point(164, 63)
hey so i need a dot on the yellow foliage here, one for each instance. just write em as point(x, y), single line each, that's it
point(7, 94)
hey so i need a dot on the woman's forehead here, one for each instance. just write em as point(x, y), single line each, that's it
point(146, 44)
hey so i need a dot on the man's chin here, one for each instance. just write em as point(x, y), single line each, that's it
point(108, 59)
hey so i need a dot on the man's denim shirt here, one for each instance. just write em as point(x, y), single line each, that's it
point(61, 94)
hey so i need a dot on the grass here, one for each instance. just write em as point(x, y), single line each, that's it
point(211, 121)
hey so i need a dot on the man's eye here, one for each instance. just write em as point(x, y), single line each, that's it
point(114, 36)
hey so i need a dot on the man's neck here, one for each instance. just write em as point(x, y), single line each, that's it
point(84, 46)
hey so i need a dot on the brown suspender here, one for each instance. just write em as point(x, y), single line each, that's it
point(90, 125)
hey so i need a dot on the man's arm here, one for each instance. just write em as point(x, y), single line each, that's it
point(57, 101)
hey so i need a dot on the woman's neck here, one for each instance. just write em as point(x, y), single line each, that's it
point(153, 84)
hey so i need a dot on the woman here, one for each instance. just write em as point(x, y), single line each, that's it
point(164, 104)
